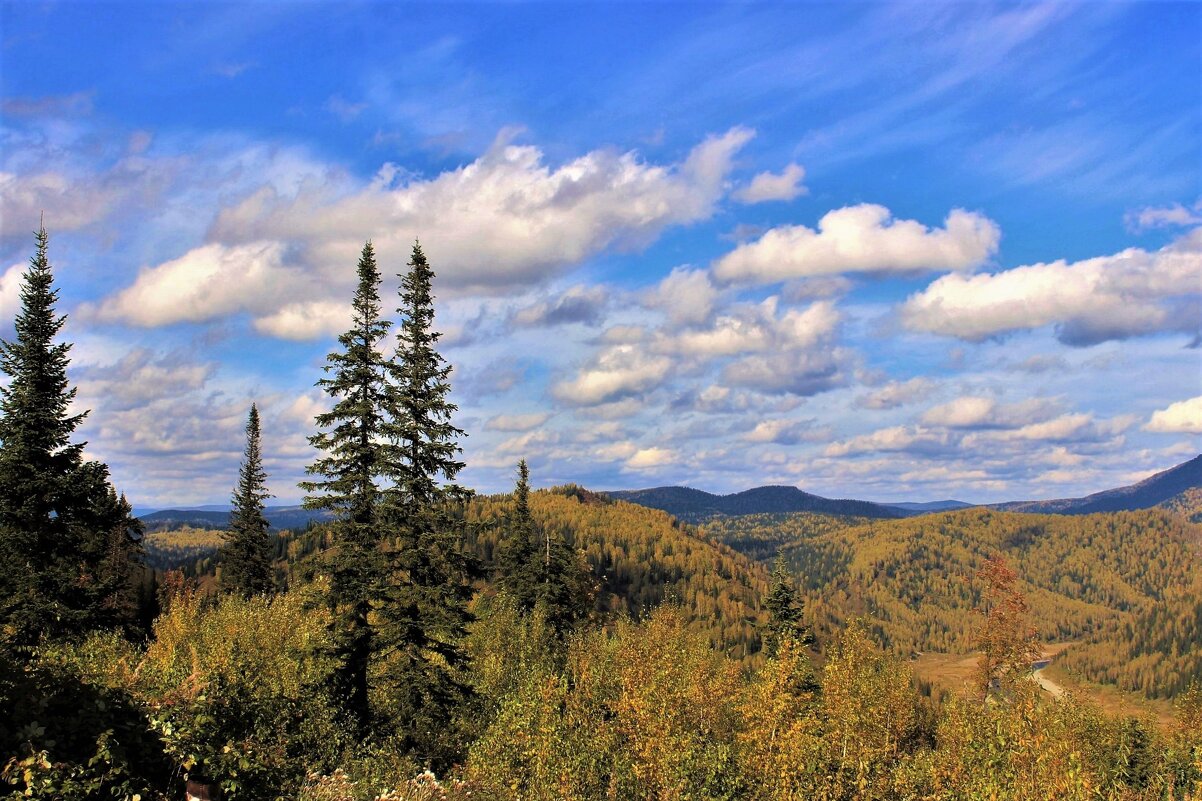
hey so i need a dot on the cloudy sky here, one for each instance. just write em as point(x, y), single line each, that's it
point(904, 251)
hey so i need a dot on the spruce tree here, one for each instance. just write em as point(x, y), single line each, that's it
point(246, 559)
point(784, 611)
point(40, 588)
point(538, 569)
point(110, 541)
point(355, 457)
point(517, 553)
point(423, 610)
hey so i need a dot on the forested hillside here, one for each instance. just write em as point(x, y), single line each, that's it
point(696, 506)
point(1161, 489)
point(1126, 584)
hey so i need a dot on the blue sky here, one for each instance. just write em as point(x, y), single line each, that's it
point(888, 251)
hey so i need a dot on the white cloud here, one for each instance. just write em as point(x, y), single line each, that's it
point(897, 393)
point(206, 283)
point(757, 328)
point(516, 422)
point(501, 223)
point(770, 186)
point(10, 292)
point(686, 296)
point(1131, 293)
point(1174, 215)
point(893, 439)
point(865, 239)
point(306, 320)
point(650, 458)
point(802, 373)
point(70, 203)
point(1182, 417)
point(617, 372)
point(972, 411)
point(779, 432)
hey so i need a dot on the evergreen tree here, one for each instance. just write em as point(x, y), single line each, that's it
point(517, 555)
point(110, 541)
point(40, 588)
point(355, 456)
point(246, 563)
point(423, 610)
point(538, 569)
point(784, 611)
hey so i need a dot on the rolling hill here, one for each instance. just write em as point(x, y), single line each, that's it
point(1124, 587)
point(695, 506)
point(280, 517)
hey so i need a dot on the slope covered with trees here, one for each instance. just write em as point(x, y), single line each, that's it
point(696, 506)
point(1126, 584)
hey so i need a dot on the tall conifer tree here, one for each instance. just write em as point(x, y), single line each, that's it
point(424, 609)
point(537, 568)
point(246, 564)
point(355, 456)
point(40, 588)
point(784, 611)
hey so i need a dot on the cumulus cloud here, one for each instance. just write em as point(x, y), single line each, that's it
point(686, 296)
point(1131, 293)
point(974, 411)
point(650, 458)
point(206, 283)
point(897, 393)
point(578, 304)
point(780, 431)
point(10, 291)
point(1172, 216)
point(616, 373)
point(767, 186)
point(916, 439)
point(503, 222)
point(1182, 417)
point(755, 328)
point(863, 239)
point(306, 320)
point(803, 373)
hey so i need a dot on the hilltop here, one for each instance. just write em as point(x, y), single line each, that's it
point(1169, 488)
point(694, 506)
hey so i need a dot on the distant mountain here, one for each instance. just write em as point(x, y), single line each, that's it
point(1170, 488)
point(280, 517)
point(928, 506)
point(694, 506)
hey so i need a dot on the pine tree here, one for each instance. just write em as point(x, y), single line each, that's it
point(784, 611)
point(40, 591)
point(246, 560)
point(355, 456)
point(423, 610)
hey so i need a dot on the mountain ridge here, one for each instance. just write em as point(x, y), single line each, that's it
point(693, 505)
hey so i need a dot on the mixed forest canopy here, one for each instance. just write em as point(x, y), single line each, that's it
point(417, 641)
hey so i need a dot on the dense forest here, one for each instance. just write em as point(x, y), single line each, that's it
point(1126, 585)
point(427, 644)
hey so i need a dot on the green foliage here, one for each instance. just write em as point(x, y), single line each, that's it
point(246, 559)
point(538, 569)
point(784, 612)
point(354, 458)
point(422, 608)
point(64, 736)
